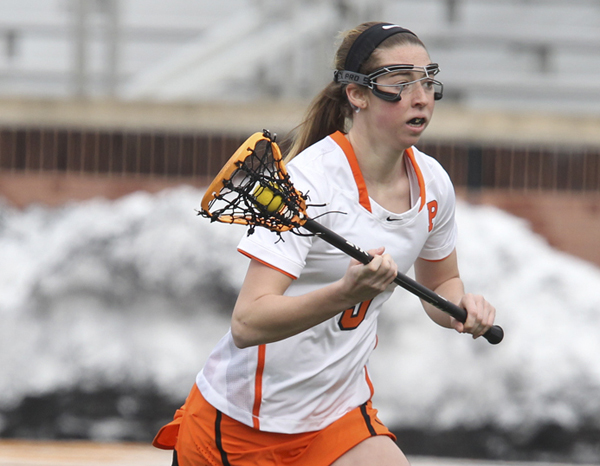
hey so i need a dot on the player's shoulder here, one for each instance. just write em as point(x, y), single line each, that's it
point(430, 167)
point(324, 163)
point(318, 156)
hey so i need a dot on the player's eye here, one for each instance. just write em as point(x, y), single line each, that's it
point(428, 85)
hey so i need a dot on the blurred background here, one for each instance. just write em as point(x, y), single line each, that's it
point(114, 115)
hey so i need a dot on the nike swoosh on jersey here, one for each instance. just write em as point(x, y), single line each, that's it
point(390, 219)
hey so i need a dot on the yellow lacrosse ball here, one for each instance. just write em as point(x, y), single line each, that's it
point(268, 198)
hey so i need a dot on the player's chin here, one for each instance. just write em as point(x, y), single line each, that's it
point(412, 136)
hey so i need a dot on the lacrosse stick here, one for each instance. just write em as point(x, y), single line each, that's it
point(254, 189)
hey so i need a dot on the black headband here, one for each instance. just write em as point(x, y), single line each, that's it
point(368, 41)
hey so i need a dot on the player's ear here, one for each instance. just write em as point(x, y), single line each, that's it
point(356, 96)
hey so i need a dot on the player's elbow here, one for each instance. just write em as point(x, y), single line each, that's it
point(242, 335)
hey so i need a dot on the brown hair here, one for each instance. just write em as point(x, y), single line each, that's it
point(330, 110)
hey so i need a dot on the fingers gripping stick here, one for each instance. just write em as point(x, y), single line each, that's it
point(254, 189)
point(494, 335)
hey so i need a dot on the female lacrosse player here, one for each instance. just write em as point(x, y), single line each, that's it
point(289, 383)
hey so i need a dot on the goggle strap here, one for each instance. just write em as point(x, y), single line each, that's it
point(351, 77)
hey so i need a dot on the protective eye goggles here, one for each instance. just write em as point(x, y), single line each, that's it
point(393, 91)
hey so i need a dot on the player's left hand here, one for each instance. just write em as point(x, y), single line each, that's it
point(480, 315)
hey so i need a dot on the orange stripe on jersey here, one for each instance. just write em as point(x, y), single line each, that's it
point(411, 156)
point(267, 264)
point(260, 367)
point(369, 383)
point(363, 194)
point(436, 260)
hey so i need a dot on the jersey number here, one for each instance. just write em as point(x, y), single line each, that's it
point(353, 317)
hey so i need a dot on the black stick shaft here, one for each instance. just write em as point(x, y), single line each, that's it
point(494, 335)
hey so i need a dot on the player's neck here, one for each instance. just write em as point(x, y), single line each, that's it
point(380, 164)
point(385, 175)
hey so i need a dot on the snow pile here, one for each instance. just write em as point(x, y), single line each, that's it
point(137, 291)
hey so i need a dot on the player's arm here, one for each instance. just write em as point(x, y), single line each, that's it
point(263, 313)
point(443, 277)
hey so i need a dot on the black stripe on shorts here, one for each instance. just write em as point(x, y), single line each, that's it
point(363, 410)
point(219, 440)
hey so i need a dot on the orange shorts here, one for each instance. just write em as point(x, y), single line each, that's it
point(202, 435)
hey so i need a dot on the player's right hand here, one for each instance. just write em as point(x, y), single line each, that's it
point(364, 282)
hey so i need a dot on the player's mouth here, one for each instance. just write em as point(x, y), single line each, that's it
point(417, 122)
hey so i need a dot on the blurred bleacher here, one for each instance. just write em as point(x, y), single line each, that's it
point(108, 96)
point(516, 55)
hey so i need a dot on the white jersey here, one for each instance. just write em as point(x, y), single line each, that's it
point(308, 381)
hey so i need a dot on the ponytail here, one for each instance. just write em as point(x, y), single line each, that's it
point(326, 114)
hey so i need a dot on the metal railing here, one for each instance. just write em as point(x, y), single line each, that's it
point(199, 156)
point(519, 167)
point(114, 153)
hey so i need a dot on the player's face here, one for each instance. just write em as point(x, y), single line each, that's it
point(403, 122)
